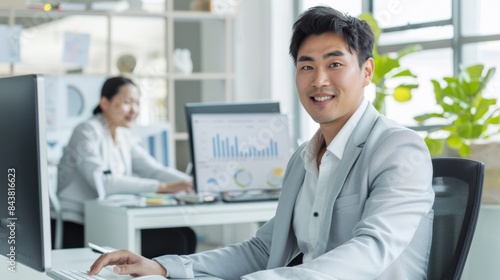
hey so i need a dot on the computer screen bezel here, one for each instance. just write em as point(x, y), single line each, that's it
point(34, 87)
point(220, 108)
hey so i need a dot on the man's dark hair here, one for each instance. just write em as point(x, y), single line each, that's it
point(321, 19)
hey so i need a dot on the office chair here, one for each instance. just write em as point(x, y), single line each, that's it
point(458, 184)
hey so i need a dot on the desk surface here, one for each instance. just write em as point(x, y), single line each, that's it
point(64, 259)
point(119, 226)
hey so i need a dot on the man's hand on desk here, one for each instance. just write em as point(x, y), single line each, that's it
point(182, 186)
point(127, 262)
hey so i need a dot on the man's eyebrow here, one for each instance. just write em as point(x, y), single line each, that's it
point(334, 53)
point(305, 58)
point(325, 56)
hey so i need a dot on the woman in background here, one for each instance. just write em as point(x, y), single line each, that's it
point(103, 148)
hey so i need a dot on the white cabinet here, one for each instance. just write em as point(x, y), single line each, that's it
point(151, 36)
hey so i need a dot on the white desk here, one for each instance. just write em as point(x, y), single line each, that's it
point(65, 259)
point(61, 260)
point(119, 227)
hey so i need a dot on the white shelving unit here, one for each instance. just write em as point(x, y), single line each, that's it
point(209, 37)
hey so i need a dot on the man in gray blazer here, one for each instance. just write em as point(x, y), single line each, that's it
point(357, 198)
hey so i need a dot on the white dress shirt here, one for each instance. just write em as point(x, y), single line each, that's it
point(310, 204)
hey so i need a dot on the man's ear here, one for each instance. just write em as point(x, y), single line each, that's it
point(368, 69)
point(104, 103)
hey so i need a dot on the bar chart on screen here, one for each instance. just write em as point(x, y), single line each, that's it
point(240, 151)
point(240, 136)
point(226, 147)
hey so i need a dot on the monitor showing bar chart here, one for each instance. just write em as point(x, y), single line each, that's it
point(239, 151)
point(223, 147)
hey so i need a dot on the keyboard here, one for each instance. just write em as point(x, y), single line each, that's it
point(73, 274)
point(77, 274)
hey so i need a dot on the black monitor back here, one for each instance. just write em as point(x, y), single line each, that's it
point(24, 204)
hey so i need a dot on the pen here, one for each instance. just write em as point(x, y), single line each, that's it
point(98, 249)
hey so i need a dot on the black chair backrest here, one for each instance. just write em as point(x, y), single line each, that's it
point(458, 184)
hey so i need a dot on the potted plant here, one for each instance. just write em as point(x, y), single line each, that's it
point(389, 77)
point(465, 113)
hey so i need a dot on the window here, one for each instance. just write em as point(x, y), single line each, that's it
point(427, 65)
point(452, 33)
point(487, 53)
point(480, 17)
point(427, 34)
point(480, 23)
point(351, 7)
point(393, 13)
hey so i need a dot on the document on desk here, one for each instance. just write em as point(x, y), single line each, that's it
point(141, 200)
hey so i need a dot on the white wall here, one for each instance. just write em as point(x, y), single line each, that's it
point(263, 68)
point(251, 51)
point(282, 67)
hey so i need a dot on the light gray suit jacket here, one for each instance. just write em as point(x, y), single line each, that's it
point(379, 223)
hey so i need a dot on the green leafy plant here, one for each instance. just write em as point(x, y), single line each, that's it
point(389, 77)
point(467, 115)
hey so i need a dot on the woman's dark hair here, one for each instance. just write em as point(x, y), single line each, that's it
point(110, 88)
point(322, 19)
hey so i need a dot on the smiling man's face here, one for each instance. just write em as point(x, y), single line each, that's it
point(329, 80)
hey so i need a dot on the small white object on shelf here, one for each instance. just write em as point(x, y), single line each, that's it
point(182, 61)
point(223, 7)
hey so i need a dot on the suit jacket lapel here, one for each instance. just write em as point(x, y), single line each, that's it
point(283, 240)
point(354, 147)
point(351, 153)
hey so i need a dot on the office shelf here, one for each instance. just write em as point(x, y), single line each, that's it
point(152, 37)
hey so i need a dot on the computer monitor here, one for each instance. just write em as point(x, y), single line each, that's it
point(222, 162)
point(24, 204)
